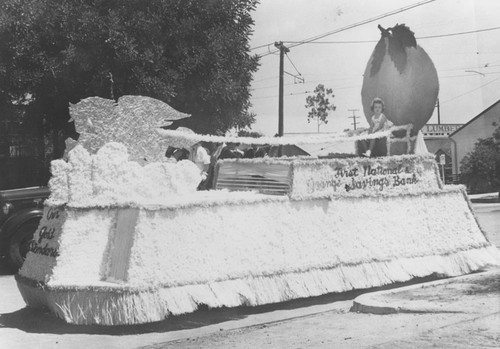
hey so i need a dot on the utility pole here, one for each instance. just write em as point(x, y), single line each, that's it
point(353, 116)
point(283, 49)
point(439, 112)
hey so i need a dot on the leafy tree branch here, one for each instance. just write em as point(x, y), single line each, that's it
point(319, 105)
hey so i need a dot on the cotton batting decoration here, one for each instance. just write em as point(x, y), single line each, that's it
point(126, 241)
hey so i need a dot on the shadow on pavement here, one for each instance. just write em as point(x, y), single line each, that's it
point(34, 320)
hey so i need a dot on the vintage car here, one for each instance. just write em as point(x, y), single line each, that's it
point(21, 212)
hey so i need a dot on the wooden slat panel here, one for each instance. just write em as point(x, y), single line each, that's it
point(263, 181)
point(251, 186)
point(250, 179)
point(271, 179)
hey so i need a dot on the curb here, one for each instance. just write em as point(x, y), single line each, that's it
point(485, 201)
point(371, 302)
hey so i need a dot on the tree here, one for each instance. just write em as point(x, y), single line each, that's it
point(480, 169)
point(319, 105)
point(193, 55)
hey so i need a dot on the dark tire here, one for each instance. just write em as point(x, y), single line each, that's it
point(19, 244)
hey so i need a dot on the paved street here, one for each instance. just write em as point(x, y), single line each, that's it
point(342, 329)
point(322, 322)
point(489, 219)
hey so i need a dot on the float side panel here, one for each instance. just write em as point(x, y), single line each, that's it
point(258, 253)
point(206, 244)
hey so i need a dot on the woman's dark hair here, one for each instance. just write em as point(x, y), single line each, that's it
point(377, 100)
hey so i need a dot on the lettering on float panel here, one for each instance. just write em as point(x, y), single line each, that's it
point(45, 241)
point(329, 178)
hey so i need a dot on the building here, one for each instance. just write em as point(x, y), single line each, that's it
point(22, 161)
point(436, 137)
point(464, 138)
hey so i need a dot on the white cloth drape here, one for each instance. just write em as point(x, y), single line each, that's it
point(420, 147)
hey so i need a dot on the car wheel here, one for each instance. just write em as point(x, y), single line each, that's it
point(19, 244)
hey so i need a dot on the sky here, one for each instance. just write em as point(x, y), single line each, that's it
point(468, 65)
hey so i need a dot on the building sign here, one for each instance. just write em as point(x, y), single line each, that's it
point(439, 130)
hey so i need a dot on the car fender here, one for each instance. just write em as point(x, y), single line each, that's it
point(18, 219)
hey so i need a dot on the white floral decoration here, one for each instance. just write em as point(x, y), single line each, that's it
point(110, 179)
point(185, 140)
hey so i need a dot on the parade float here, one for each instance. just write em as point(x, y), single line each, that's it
point(127, 238)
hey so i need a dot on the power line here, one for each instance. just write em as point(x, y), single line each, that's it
point(366, 21)
point(293, 65)
point(298, 93)
point(468, 75)
point(475, 72)
point(264, 79)
point(308, 82)
point(261, 46)
point(468, 67)
point(296, 78)
point(334, 42)
point(466, 93)
point(418, 38)
point(348, 87)
point(356, 78)
point(302, 93)
point(307, 41)
point(493, 62)
point(461, 33)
